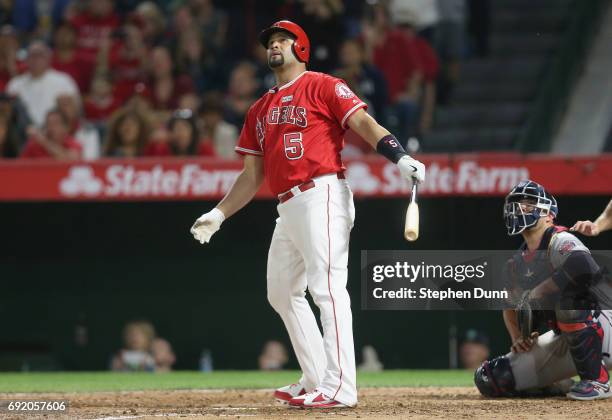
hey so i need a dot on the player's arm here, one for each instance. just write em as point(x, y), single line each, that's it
point(572, 263)
point(603, 223)
point(519, 344)
point(240, 193)
point(386, 144)
point(245, 187)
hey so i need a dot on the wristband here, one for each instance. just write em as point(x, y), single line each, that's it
point(390, 148)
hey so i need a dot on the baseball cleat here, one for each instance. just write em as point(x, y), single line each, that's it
point(587, 390)
point(286, 393)
point(316, 399)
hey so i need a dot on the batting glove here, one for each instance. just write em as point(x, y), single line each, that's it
point(411, 169)
point(207, 224)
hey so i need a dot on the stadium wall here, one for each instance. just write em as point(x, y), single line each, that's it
point(98, 265)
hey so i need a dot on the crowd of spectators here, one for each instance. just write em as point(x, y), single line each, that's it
point(126, 78)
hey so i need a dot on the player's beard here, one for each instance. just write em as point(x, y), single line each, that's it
point(276, 60)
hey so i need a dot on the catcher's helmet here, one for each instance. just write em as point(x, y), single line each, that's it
point(301, 46)
point(539, 203)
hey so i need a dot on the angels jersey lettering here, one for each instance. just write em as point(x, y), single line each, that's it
point(298, 129)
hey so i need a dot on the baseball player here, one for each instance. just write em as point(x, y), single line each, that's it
point(292, 137)
point(552, 263)
point(603, 223)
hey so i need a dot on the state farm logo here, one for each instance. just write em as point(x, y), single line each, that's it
point(361, 179)
point(467, 178)
point(128, 181)
point(81, 180)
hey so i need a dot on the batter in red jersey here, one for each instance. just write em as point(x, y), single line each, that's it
point(292, 137)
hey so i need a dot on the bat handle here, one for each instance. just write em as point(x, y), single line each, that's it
point(413, 193)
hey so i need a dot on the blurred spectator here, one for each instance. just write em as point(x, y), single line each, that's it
point(193, 59)
point(182, 19)
point(6, 9)
point(371, 362)
point(422, 13)
point(135, 354)
point(8, 146)
point(182, 138)
point(153, 23)
point(212, 23)
point(54, 142)
point(162, 353)
point(100, 103)
point(17, 119)
point(22, 14)
point(127, 134)
point(450, 44)
point(365, 80)
point(321, 19)
point(241, 93)
point(10, 65)
point(166, 88)
point(474, 349)
point(263, 75)
point(274, 356)
point(189, 101)
point(62, 10)
point(127, 60)
point(221, 134)
point(94, 25)
point(429, 67)
point(397, 57)
point(83, 132)
point(354, 11)
point(140, 100)
point(67, 59)
point(40, 87)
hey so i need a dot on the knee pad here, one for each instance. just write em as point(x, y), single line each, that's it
point(494, 378)
point(585, 338)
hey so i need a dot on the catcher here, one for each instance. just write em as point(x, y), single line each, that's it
point(560, 289)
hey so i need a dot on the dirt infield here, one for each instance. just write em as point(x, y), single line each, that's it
point(375, 403)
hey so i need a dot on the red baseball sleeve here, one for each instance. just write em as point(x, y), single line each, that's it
point(248, 143)
point(340, 100)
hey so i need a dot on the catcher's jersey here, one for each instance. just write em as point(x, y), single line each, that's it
point(531, 268)
point(298, 128)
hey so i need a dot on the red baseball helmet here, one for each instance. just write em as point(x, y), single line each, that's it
point(301, 46)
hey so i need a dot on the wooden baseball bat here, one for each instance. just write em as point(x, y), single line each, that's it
point(411, 230)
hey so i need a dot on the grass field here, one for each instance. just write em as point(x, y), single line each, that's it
point(422, 394)
point(111, 381)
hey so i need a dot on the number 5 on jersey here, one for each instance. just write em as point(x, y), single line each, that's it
point(294, 149)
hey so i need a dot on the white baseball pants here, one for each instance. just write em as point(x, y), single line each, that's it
point(309, 249)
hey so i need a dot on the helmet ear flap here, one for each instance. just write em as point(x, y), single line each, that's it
point(301, 46)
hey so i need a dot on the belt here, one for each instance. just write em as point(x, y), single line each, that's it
point(302, 188)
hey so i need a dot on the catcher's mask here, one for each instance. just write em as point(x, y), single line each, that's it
point(525, 205)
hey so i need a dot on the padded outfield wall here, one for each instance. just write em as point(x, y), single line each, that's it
point(99, 264)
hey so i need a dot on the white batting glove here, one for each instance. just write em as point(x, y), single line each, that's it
point(411, 169)
point(207, 224)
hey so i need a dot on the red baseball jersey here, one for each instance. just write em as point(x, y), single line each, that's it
point(298, 128)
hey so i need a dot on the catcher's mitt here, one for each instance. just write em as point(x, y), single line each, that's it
point(525, 315)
